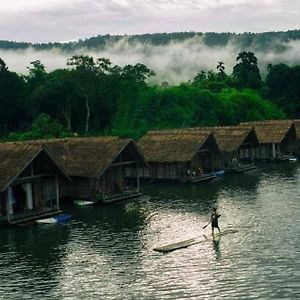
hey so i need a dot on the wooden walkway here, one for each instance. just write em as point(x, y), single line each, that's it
point(241, 169)
point(119, 197)
point(28, 216)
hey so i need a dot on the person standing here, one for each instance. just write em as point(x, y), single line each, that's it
point(214, 220)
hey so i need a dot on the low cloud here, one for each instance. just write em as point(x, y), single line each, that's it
point(174, 62)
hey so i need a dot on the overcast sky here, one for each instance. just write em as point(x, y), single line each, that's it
point(65, 20)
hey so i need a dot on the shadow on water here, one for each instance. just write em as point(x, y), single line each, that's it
point(203, 196)
point(216, 247)
point(106, 252)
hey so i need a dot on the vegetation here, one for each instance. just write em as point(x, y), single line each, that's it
point(257, 41)
point(93, 96)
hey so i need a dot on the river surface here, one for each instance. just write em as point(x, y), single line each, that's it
point(106, 252)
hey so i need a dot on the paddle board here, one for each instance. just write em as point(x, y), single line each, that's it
point(193, 241)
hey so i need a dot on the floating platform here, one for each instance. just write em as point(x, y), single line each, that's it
point(123, 196)
point(204, 177)
point(193, 241)
point(241, 169)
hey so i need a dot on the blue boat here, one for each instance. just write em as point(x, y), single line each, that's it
point(62, 218)
point(219, 173)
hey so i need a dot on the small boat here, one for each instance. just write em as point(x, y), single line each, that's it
point(62, 218)
point(83, 202)
point(293, 159)
point(219, 173)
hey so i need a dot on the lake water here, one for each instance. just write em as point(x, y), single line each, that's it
point(107, 252)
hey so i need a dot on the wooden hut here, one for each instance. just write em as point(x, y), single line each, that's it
point(97, 167)
point(236, 145)
point(277, 139)
point(29, 187)
point(180, 155)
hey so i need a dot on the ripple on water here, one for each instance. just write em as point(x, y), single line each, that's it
point(106, 252)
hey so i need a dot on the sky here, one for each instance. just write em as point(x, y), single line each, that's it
point(69, 20)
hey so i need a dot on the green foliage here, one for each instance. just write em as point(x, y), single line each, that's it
point(246, 105)
point(95, 96)
point(42, 128)
point(246, 72)
point(188, 106)
point(283, 86)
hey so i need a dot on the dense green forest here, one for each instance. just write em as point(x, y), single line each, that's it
point(256, 41)
point(93, 96)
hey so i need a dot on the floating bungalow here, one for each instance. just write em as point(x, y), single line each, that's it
point(29, 183)
point(97, 167)
point(180, 155)
point(236, 145)
point(277, 139)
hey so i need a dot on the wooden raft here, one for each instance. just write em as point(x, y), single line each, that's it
point(190, 242)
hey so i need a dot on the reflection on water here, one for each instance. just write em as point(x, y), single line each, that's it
point(106, 252)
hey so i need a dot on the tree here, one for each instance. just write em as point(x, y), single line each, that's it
point(246, 71)
point(200, 77)
point(85, 76)
point(137, 73)
point(11, 105)
point(221, 70)
point(283, 87)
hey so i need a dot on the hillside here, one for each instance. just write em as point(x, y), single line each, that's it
point(258, 41)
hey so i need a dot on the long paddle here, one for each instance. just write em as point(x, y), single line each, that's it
point(206, 225)
point(218, 216)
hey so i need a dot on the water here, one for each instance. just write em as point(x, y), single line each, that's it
point(106, 252)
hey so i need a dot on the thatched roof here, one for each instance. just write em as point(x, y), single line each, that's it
point(274, 131)
point(174, 145)
point(231, 138)
point(14, 158)
point(90, 157)
point(228, 138)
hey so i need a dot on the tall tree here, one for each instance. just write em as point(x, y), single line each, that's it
point(11, 88)
point(246, 71)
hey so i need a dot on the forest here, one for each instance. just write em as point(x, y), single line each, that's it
point(93, 96)
point(245, 40)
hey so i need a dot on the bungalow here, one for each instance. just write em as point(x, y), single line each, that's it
point(181, 155)
point(236, 144)
point(277, 139)
point(29, 187)
point(97, 167)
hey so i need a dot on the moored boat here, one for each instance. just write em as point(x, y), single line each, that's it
point(62, 218)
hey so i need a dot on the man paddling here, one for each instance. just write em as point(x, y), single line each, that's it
point(214, 220)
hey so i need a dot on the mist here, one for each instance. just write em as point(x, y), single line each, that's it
point(174, 62)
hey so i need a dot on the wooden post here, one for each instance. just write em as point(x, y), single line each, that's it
point(273, 150)
point(10, 208)
point(137, 177)
point(29, 200)
point(57, 191)
point(103, 186)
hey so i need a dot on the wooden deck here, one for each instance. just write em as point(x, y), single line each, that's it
point(241, 169)
point(195, 179)
point(26, 217)
point(119, 197)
